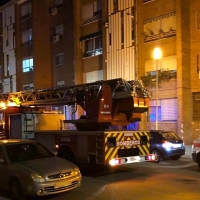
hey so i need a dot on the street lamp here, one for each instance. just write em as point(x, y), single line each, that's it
point(157, 54)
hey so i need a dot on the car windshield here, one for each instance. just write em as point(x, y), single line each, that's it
point(170, 135)
point(27, 151)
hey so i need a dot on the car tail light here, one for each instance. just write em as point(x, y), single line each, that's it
point(166, 144)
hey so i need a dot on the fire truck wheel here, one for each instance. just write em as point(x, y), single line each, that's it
point(66, 153)
point(16, 190)
point(158, 155)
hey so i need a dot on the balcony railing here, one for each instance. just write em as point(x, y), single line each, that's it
point(146, 1)
point(91, 19)
point(95, 52)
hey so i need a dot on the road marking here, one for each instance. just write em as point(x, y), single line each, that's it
point(97, 193)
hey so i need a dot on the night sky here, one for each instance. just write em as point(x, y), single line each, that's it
point(3, 2)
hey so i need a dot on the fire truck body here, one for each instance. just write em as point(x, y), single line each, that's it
point(105, 103)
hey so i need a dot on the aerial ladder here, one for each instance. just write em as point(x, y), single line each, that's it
point(112, 102)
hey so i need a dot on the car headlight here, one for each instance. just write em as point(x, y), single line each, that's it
point(37, 177)
point(76, 171)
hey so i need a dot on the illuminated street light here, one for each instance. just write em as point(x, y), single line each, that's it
point(157, 54)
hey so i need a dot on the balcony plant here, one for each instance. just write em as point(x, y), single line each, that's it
point(163, 75)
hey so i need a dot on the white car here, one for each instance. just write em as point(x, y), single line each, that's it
point(27, 168)
point(196, 151)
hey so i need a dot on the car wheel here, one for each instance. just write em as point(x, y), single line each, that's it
point(158, 156)
point(16, 190)
point(175, 157)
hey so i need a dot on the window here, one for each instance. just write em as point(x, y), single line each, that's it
point(93, 46)
point(7, 63)
point(59, 30)
point(196, 106)
point(28, 86)
point(91, 12)
point(26, 11)
point(59, 59)
point(132, 23)
point(110, 39)
point(27, 64)
point(167, 110)
point(115, 5)
point(152, 114)
point(122, 27)
point(160, 27)
point(27, 36)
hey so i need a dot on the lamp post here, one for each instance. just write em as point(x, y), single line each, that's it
point(157, 54)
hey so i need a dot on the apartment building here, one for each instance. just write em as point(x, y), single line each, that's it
point(58, 42)
point(37, 35)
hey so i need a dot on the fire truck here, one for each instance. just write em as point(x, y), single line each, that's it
point(90, 134)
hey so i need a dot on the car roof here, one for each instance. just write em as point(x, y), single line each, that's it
point(11, 141)
point(160, 131)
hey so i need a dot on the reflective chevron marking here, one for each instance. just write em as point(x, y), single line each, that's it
point(126, 140)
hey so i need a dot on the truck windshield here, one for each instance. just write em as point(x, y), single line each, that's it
point(27, 151)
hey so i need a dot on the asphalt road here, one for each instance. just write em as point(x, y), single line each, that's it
point(168, 180)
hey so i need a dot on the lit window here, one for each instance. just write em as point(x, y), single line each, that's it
point(93, 47)
point(27, 64)
point(27, 36)
point(167, 110)
point(152, 114)
point(59, 58)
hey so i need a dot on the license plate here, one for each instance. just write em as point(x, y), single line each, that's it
point(135, 158)
point(58, 185)
point(176, 145)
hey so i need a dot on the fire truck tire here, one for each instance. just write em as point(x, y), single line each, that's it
point(158, 155)
point(67, 153)
point(15, 189)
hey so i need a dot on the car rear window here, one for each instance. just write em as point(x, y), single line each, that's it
point(170, 135)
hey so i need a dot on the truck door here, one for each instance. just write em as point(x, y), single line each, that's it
point(16, 126)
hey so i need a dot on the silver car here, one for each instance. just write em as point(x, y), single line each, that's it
point(27, 168)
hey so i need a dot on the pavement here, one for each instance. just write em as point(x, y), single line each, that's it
point(188, 150)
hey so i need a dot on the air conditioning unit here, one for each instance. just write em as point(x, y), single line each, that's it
point(56, 38)
point(54, 11)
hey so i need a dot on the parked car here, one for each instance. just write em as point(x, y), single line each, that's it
point(166, 144)
point(27, 168)
point(196, 151)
